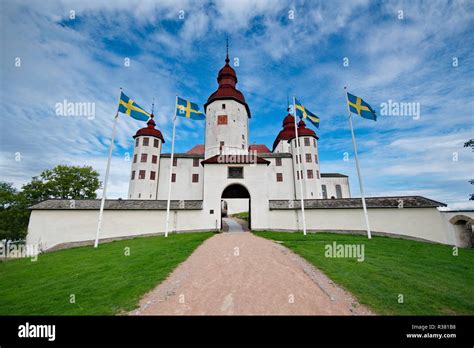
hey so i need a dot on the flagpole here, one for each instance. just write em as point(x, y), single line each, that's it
point(171, 172)
point(297, 143)
point(369, 235)
point(106, 180)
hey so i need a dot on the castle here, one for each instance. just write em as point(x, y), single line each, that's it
point(227, 165)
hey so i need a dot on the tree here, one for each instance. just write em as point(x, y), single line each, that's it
point(63, 182)
point(14, 213)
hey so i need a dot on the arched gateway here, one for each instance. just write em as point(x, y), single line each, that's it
point(237, 191)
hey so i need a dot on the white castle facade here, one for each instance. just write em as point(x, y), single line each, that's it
point(226, 160)
point(227, 174)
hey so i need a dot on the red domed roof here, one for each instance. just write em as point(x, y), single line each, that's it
point(227, 79)
point(150, 130)
point(288, 131)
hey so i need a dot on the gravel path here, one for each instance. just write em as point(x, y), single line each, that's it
point(233, 225)
point(240, 273)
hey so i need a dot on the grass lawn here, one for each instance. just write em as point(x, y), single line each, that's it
point(103, 280)
point(243, 216)
point(431, 280)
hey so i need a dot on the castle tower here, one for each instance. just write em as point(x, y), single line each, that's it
point(227, 116)
point(310, 173)
point(146, 162)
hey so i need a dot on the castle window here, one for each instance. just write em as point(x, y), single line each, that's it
point(146, 141)
point(243, 137)
point(152, 175)
point(306, 142)
point(300, 159)
point(133, 175)
point(144, 157)
point(141, 174)
point(325, 191)
point(315, 158)
point(135, 158)
point(136, 141)
point(338, 191)
point(195, 177)
point(222, 119)
point(154, 159)
point(223, 106)
point(195, 162)
point(314, 142)
point(156, 143)
point(279, 177)
point(235, 172)
point(309, 174)
point(173, 177)
point(175, 162)
point(308, 158)
point(221, 145)
point(296, 157)
point(278, 162)
point(318, 175)
point(298, 175)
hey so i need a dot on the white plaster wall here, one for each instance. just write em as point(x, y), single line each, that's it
point(425, 223)
point(144, 188)
point(237, 205)
point(52, 227)
point(311, 187)
point(331, 186)
point(284, 189)
point(255, 180)
point(231, 133)
point(183, 188)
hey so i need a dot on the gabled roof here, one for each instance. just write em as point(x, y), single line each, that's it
point(235, 159)
point(260, 148)
point(197, 149)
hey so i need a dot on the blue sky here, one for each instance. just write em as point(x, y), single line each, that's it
point(283, 48)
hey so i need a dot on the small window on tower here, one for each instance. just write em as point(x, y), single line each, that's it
point(243, 137)
point(222, 119)
point(173, 177)
point(314, 142)
point(318, 175)
point(156, 143)
point(278, 162)
point(146, 141)
point(308, 158)
point(315, 158)
point(133, 175)
point(309, 173)
point(195, 177)
point(279, 177)
point(144, 157)
point(223, 106)
point(152, 175)
point(221, 145)
point(306, 142)
point(175, 162)
point(136, 141)
point(154, 159)
point(195, 162)
point(141, 174)
point(135, 158)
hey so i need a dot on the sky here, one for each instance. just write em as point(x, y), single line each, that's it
point(417, 52)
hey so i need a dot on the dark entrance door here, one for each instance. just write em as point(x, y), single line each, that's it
point(238, 191)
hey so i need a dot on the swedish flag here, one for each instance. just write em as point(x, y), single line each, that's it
point(185, 108)
point(360, 107)
point(302, 112)
point(129, 107)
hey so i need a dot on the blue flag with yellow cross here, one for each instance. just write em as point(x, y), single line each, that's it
point(128, 107)
point(185, 108)
point(360, 107)
point(303, 112)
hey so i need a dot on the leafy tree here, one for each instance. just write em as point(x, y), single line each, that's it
point(14, 213)
point(61, 182)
